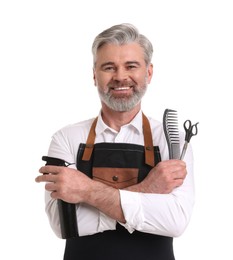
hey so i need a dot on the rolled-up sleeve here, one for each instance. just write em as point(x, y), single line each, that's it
point(160, 214)
point(89, 219)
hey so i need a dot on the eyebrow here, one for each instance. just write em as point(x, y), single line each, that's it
point(133, 62)
point(127, 63)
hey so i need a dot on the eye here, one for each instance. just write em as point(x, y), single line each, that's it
point(130, 67)
point(109, 68)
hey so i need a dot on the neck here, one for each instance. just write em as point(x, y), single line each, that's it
point(115, 119)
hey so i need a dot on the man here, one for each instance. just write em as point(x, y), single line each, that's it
point(130, 199)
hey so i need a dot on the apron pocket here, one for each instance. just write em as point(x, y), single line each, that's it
point(118, 178)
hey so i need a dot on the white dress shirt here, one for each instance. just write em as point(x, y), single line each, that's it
point(161, 214)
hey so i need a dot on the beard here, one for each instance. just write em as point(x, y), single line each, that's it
point(123, 103)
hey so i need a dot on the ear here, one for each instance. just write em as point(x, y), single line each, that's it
point(94, 77)
point(149, 73)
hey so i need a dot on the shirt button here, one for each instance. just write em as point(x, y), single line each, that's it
point(115, 178)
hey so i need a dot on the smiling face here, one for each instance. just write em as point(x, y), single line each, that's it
point(121, 75)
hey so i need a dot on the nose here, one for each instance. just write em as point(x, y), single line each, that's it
point(120, 74)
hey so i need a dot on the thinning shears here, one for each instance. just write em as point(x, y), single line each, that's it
point(190, 130)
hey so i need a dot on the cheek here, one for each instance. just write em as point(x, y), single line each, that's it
point(101, 80)
point(141, 78)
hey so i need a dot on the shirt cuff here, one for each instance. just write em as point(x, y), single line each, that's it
point(91, 221)
point(106, 223)
point(132, 209)
point(87, 219)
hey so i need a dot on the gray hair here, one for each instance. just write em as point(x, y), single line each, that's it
point(123, 34)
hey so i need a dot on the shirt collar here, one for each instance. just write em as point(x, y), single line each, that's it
point(135, 123)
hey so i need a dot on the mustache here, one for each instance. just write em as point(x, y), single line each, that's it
point(117, 84)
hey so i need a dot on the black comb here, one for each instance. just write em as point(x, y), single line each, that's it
point(171, 130)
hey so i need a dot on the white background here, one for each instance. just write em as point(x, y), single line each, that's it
point(46, 83)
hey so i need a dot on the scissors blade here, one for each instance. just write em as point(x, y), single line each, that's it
point(184, 150)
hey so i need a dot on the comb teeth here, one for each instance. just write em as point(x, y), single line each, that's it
point(171, 130)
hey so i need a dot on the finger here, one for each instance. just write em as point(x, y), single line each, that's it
point(180, 173)
point(54, 195)
point(50, 169)
point(178, 183)
point(171, 165)
point(46, 178)
point(173, 162)
point(178, 170)
point(50, 186)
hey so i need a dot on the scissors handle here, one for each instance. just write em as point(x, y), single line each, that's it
point(187, 125)
point(190, 130)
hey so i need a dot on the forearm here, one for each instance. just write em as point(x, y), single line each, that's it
point(143, 209)
point(106, 199)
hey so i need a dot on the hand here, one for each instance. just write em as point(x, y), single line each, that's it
point(164, 177)
point(65, 183)
point(73, 186)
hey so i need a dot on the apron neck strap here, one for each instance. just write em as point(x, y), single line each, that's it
point(148, 142)
point(90, 142)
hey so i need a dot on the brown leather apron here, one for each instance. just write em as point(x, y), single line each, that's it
point(119, 165)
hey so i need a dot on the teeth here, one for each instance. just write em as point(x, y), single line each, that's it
point(122, 88)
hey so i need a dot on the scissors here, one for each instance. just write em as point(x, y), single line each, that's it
point(190, 130)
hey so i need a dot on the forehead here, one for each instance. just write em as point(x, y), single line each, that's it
point(120, 53)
